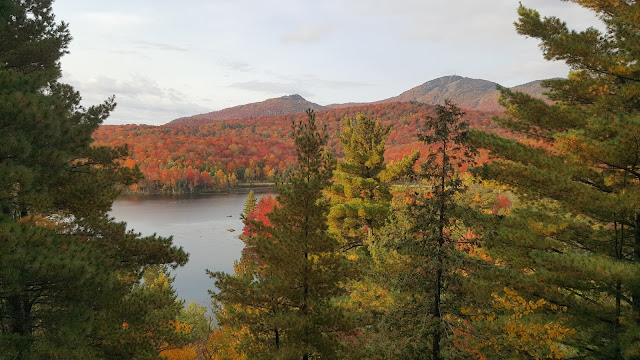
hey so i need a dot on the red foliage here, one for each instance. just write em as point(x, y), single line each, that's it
point(259, 215)
point(502, 202)
point(182, 158)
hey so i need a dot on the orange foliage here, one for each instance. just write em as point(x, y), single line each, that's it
point(185, 353)
point(184, 158)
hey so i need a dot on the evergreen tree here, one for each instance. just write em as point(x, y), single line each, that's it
point(578, 245)
point(360, 204)
point(360, 194)
point(144, 334)
point(249, 205)
point(360, 201)
point(448, 133)
point(422, 256)
point(296, 267)
point(64, 265)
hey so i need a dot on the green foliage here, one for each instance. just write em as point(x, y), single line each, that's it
point(201, 324)
point(360, 200)
point(249, 205)
point(577, 242)
point(66, 267)
point(422, 256)
point(282, 290)
point(148, 312)
point(360, 205)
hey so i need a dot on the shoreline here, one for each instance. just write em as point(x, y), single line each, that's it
point(259, 188)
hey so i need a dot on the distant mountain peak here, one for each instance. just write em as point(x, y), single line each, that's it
point(467, 93)
point(449, 78)
point(288, 104)
point(294, 97)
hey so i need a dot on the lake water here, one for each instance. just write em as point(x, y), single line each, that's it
point(199, 224)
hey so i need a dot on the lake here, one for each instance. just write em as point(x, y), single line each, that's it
point(198, 223)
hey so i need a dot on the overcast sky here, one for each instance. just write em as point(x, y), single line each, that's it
point(165, 59)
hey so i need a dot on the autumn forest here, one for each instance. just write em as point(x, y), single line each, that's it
point(397, 230)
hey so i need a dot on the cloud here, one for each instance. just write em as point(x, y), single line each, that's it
point(237, 65)
point(307, 34)
point(148, 45)
point(269, 87)
point(296, 84)
point(140, 99)
point(468, 22)
point(310, 80)
point(115, 18)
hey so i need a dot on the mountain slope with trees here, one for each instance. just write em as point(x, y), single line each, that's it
point(469, 94)
point(289, 104)
point(224, 153)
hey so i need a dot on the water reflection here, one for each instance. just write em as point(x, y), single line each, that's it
point(198, 223)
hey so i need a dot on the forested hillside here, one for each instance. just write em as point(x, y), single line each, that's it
point(221, 154)
point(290, 104)
point(469, 94)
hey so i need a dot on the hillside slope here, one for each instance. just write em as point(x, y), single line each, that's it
point(221, 154)
point(289, 104)
point(467, 93)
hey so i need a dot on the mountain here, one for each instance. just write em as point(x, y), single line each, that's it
point(467, 93)
point(290, 104)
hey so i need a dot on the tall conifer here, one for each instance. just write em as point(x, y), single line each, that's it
point(420, 255)
point(297, 266)
point(578, 246)
point(64, 265)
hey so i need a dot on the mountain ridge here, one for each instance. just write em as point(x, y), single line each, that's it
point(467, 93)
point(287, 104)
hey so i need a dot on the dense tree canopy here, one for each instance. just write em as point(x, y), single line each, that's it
point(197, 158)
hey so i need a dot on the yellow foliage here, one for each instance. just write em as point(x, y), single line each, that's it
point(517, 329)
point(185, 353)
point(49, 223)
point(181, 326)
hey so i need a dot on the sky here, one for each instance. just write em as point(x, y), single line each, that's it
point(167, 59)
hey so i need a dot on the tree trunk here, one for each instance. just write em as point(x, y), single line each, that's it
point(20, 312)
point(438, 285)
point(636, 250)
point(436, 310)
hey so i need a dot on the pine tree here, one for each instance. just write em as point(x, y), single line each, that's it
point(249, 204)
point(64, 265)
point(360, 204)
point(296, 267)
point(360, 194)
point(577, 245)
point(421, 254)
point(360, 200)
